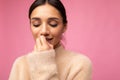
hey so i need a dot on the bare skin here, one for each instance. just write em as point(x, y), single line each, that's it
point(42, 44)
point(47, 27)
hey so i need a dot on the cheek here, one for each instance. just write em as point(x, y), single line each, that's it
point(35, 32)
point(57, 37)
point(57, 34)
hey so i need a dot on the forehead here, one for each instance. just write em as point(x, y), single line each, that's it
point(45, 11)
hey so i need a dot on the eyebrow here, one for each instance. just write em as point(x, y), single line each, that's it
point(51, 18)
point(35, 18)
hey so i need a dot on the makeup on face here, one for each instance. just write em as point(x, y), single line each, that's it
point(48, 39)
point(53, 21)
point(46, 20)
point(36, 22)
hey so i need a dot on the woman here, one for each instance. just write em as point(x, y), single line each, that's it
point(49, 60)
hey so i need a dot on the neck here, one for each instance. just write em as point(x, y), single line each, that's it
point(57, 45)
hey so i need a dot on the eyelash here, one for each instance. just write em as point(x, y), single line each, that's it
point(36, 25)
point(53, 25)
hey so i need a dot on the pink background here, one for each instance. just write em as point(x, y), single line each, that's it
point(93, 29)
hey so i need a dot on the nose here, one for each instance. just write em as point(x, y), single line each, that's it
point(44, 30)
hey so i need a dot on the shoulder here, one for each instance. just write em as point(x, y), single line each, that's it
point(19, 68)
point(19, 61)
point(80, 65)
point(79, 59)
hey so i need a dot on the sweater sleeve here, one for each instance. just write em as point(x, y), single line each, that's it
point(42, 65)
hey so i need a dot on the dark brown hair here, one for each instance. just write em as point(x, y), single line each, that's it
point(55, 3)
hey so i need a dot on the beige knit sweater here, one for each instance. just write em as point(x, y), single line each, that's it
point(58, 64)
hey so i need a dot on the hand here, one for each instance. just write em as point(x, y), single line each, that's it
point(42, 44)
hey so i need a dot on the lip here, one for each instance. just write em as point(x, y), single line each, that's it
point(49, 39)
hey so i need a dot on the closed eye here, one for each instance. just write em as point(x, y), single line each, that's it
point(53, 23)
point(36, 22)
point(36, 25)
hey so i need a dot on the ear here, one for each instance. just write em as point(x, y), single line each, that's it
point(64, 28)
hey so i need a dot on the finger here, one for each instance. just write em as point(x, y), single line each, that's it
point(38, 44)
point(43, 41)
point(35, 49)
point(45, 44)
point(50, 45)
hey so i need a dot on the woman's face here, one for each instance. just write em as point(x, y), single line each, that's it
point(46, 21)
